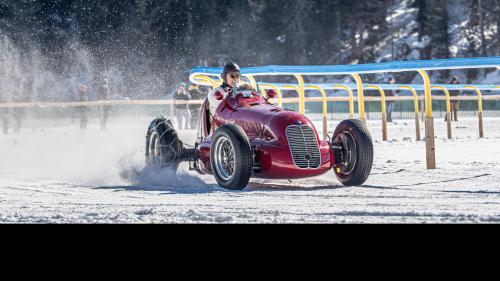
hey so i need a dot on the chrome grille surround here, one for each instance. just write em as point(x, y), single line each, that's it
point(304, 147)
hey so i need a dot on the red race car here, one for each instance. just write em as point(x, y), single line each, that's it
point(249, 137)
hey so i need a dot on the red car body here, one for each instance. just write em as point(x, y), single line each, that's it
point(269, 130)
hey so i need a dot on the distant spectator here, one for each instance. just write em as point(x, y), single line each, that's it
point(105, 109)
point(390, 104)
point(183, 111)
point(455, 104)
point(83, 110)
point(5, 123)
point(18, 114)
point(4, 116)
point(197, 93)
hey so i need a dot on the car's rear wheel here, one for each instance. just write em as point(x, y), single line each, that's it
point(353, 152)
point(163, 147)
point(231, 157)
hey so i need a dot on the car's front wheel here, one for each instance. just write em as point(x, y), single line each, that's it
point(353, 152)
point(231, 157)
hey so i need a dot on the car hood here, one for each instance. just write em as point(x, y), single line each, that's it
point(261, 119)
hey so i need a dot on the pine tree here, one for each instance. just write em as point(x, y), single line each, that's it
point(497, 19)
point(480, 12)
point(160, 40)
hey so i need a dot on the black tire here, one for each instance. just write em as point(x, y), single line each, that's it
point(234, 172)
point(355, 156)
point(163, 147)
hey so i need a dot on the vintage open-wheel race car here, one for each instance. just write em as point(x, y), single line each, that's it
point(248, 137)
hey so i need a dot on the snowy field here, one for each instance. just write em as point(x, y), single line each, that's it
point(59, 174)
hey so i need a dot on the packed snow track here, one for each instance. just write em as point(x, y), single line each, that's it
point(59, 174)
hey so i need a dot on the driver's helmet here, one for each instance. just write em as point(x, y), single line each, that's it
point(230, 68)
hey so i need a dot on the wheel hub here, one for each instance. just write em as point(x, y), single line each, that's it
point(224, 158)
point(347, 152)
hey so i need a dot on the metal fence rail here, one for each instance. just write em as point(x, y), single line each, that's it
point(211, 77)
point(286, 101)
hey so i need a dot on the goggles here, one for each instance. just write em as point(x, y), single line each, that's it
point(235, 75)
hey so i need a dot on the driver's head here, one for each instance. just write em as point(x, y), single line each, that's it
point(231, 74)
point(83, 88)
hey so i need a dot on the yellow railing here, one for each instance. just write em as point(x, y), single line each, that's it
point(480, 108)
point(416, 108)
point(384, 110)
point(351, 98)
point(448, 108)
point(207, 79)
point(355, 71)
point(302, 94)
point(447, 96)
point(252, 81)
point(415, 97)
point(479, 97)
point(361, 96)
point(325, 108)
point(428, 98)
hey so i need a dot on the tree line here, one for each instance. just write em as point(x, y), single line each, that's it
point(171, 36)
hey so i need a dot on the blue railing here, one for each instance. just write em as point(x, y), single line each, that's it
point(386, 67)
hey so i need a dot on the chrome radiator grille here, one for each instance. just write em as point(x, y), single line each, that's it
point(304, 147)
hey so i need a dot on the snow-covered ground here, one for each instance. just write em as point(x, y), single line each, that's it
point(59, 174)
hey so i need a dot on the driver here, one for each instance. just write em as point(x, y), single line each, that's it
point(232, 79)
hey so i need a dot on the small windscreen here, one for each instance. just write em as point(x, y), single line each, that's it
point(247, 94)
